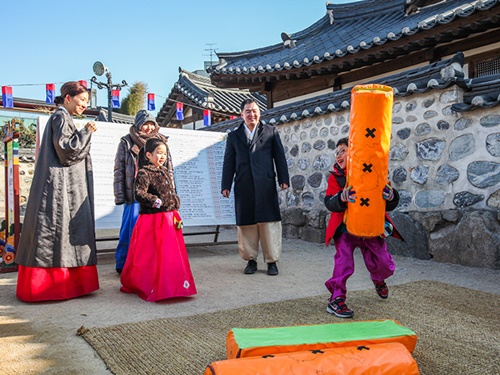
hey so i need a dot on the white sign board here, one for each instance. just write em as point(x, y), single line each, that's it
point(197, 157)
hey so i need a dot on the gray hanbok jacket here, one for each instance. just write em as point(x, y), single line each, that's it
point(58, 228)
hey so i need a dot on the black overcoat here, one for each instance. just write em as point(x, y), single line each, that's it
point(254, 167)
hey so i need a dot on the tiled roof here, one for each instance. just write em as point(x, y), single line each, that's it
point(437, 75)
point(200, 92)
point(348, 29)
point(481, 92)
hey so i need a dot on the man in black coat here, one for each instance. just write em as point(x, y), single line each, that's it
point(254, 155)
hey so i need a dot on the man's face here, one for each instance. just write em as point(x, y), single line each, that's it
point(251, 114)
point(341, 156)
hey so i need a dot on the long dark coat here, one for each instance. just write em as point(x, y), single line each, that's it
point(58, 228)
point(254, 167)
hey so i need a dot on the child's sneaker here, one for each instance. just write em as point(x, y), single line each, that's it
point(339, 308)
point(382, 289)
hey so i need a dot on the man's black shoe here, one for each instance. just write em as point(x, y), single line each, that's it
point(272, 269)
point(251, 267)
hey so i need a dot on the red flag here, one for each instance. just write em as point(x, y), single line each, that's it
point(50, 93)
point(179, 112)
point(115, 98)
point(207, 117)
point(232, 117)
point(7, 99)
point(151, 102)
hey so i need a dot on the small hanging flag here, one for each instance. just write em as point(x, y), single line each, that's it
point(151, 102)
point(83, 83)
point(115, 98)
point(7, 99)
point(207, 117)
point(179, 112)
point(50, 93)
point(232, 117)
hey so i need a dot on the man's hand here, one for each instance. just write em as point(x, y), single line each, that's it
point(226, 193)
point(283, 186)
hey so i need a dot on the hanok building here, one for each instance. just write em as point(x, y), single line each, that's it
point(363, 41)
point(197, 95)
point(442, 58)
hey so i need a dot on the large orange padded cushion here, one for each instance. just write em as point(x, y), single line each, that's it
point(249, 342)
point(391, 358)
point(368, 158)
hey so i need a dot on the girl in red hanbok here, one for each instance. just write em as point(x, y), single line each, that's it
point(157, 265)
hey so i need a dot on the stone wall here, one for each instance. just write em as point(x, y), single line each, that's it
point(446, 166)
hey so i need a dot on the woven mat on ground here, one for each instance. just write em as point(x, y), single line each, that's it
point(458, 330)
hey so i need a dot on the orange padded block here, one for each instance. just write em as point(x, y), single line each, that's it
point(250, 342)
point(388, 359)
point(368, 158)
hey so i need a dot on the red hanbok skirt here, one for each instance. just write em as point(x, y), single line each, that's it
point(36, 284)
point(157, 265)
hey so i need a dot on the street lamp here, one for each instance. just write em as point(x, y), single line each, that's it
point(99, 70)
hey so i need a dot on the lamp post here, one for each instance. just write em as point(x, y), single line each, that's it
point(99, 70)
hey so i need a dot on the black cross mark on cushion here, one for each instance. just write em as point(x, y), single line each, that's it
point(367, 167)
point(364, 202)
point(370, 132)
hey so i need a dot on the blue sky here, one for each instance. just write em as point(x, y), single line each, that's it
point(148, 40)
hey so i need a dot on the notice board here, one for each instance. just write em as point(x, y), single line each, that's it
point(197, 157)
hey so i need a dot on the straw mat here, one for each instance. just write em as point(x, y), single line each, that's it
point(458, 330)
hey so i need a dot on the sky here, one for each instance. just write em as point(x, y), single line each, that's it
point(139, 41)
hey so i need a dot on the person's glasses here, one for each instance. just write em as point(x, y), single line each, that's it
point(340, 152)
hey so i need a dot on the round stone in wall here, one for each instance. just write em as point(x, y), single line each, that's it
point(398, 120)
point(410, 106)
point(307, 124)
point(398, 152)
point(303, 135)
point(319, 122)
point(298, 182)
point(308, 199)
point(430, 149)
point(319, 145)
point(404, 199)
point(429, 198)
point(483, 174)
point(446, 174)
point(313, 133)
point(294, 151)
point(466, 199)
point(443, 125)
point(448, 96)
point(294, 138)
point(339, 120)
point(493, 144)
point(494, 200)
point(322, 162)
point(303, 163)
point(411, 118)
point(334, 130)
point(328, 120)
point(331, 144)
point(399, 175)
point(315, 180)
point(423, 129)
point(306, 147)
point(404, 133)
point(428, 102)
point(345, 129)
point(462, 146)
point(396, 107)
point(462, 123)
point(430, 114)
point(490, 121)
point(420, 174)
point(323, 132)
point(447, 111)
point(286, 137)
